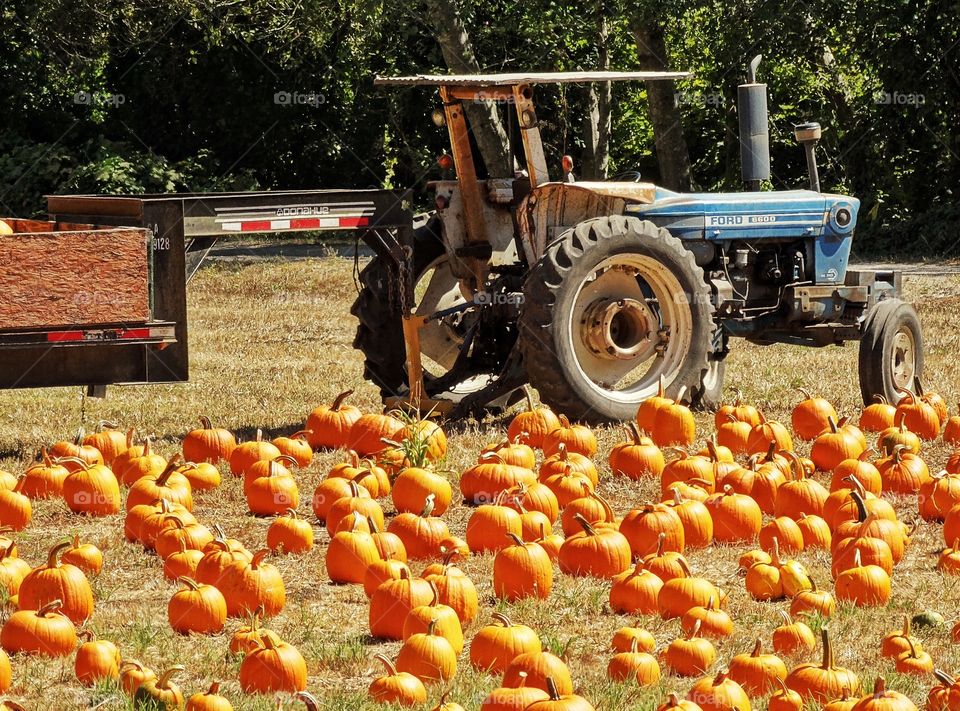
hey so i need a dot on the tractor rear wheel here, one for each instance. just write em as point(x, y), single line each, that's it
point(380, 332)
point(891, 350)
point(614, 305)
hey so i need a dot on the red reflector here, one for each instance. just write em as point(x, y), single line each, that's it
point(354, 221)
point(305, 224)
point(136, 333)
point(256, 226)
point(60, 336)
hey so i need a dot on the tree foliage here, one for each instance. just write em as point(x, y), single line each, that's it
point(132, 96)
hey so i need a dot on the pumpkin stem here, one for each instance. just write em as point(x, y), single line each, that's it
point(52, 561)
point(552, 689)
point(588, 529)
point(189, 582)
point(432, 625)
point(52, 606)
point(861, 506)
point(164, 682)
point(695, 631)
point(429, 503)
point(517, 541)
point(633, 431)
point(205, 422)
point(756, 648)
point(944, 678)
point(673, 699)
point(214, 688)
point(684, 567)
point(168, 470)
point(879, 687)
point(529, 396)
point(308, 699)
point(85, 635)
point(258, 557)
point(776, 552)
point(827, 663)
point(784, 691)
point(785, 617)
point(913, 649)
point(502, 619)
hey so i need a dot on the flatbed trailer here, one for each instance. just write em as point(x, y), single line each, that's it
point(178, 231)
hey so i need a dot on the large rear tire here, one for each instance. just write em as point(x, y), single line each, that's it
point(613, 305)
point(380, 331)
point(891, 350)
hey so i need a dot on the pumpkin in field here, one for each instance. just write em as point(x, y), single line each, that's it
point(425, 440)
point(938, 495)
point(197, 608)
point(768, 431)
point(358, 501)
point(363, 471)
point(414, 484)
point(941, 694)
point(490, 476)
point(133, 674)
point(673, 423)
point(160, 692)
point(92, 490)
point(564, 461)
point(684, 468)
point(15, 508)
point(557, 700)
point(46, 632)
point(735, 434)
point(421, 534)
point(834, 445)
point(883, 698)
point(898, 641)
point(368, 432)
point(273, 666)
point(455, 588)
point(680, 594)
point(690, 656)
point(496, 645)
point(329, 425)
point(695, 517)
point(667, 565)
point(756, 672)
point(784, 699)
point(736, 517)
point(96, 659)
point(108, 440)
point(208, 443)
point(634, 664)
point(192, 534)
point(522, 570)
point(824, 681)
point(636, 458)
point(256, 450)
point(490, 524)
point(759, 480)
point(644, 527)
point(948, 561)
point(247, 637)
point(813, 602)
point(249, 585)
point(802, 494)
point(182, 563)
point(202, 477)
point(274, 491)
point(442, 618)
point(351, 550)
point(597, 552)
point(675, 703)
point(513, 452)
point(776, 579)
point(538, 667)
point(71, 451)
point(533, 424)
point(290, 534)
point(12, 569)
point(719, 693)
point(297, 447)
point(209, 700)
point(903, 472)
point(917, 415)
point(811, 416)
point(914, 661)
point(793, 636)
point(44, 479)
point(396, 687)
point(714, 622)
point(58, 581)
point(951, 430)
point(576, 438)
point(624, 638)
point(861, 469)
point(428, 656)
point(146, 463)
point(392, 601)
point(785, 531)
point(86, 556)
point(892, 436)
point(738, 410)
point(878, 415)
point(168, 484)
point(635, 591)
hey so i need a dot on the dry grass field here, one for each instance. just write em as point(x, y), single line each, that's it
point(272, 340)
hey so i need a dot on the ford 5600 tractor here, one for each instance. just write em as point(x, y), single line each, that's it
point(594, 292)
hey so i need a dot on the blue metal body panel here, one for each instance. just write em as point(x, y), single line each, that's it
point(754, 216)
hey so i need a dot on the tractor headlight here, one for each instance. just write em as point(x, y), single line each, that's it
point(843, 216)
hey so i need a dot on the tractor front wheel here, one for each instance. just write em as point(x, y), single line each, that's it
point(891, 350)
point(614, 305)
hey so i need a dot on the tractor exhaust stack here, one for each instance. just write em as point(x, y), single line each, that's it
point(754, 131)
point(807, 134)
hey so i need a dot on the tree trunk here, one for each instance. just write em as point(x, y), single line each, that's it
point(488, 131)
point(672, 154)
point(596, 152)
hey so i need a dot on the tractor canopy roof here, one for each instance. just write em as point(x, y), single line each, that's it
point(518, 78)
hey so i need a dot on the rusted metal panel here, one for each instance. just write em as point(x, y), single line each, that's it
point(530, 132)
point(52, 277)
point(554, 207)
point(509, 79)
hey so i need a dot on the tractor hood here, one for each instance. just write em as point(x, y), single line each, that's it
point(750, 215)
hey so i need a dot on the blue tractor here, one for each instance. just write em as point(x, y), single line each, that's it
point(600, 293)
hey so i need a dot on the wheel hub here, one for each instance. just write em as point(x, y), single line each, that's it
point(903, 365)
point(618, 329)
